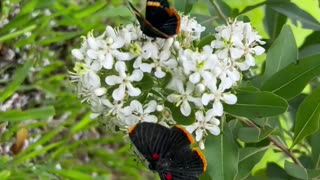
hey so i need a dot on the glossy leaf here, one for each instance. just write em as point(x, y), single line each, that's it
point(309, 51)
point(185, 6)
point(249, 157)
point(290, 81)
point(257, 104)
point(253, 135)
point(276, 172)
point(299, 172)
point(273, 22)
point(308, 117)
point(315, 146)
point(295, 14)
point(222, 156)
point(282, 52)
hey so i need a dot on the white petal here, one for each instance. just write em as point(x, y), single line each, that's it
point(194, 77)
point(132, 91)
point(159, 73)
point(201, 145)
point(199, 134)
point(118, 94)
point(185, 108)
point(164, 55)
point(192, 127)
point(150, 118)
point(121, 68)
point(92, 43)
point(137, 62)
point(91, 80)
point(122, 56)
point(100, 91)
point(118, 43)
point(174, 98)
point(77, 54)
point(206, 98)
point(110, 32)
point(108, 61)
point(136, 106)
point(215, 130)
point(250, 60)
point(152, 106)
point(92, 54)
point(217, 108)
point(146, 67)
point(229, 98)
point(259, 50)
point(113, 80)
point(126, 111)
point(199, 116)
point(136, 75)
point(236, 53)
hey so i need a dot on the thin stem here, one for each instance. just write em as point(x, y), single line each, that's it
point(220, 13)
point(275, 142)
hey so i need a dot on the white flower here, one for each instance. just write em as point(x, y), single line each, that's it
point(191, 29)
point(198, 65)
point(184, 97)
point(124, 81)
point(143, 113)
point(202, 124)
point(217, 95)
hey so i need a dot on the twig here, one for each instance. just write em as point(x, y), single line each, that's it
point(276, 143)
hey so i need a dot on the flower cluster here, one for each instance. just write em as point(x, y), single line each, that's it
point(128, 78)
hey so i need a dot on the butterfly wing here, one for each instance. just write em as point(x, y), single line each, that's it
point(150, 139)
point(163, 18)
point(172, 146)
point(146, 27)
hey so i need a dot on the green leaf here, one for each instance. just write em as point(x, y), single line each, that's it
point(249, 157)
point(308, 117)
point(20, 74)
point(290, 81)
point(257, 104)
point(296, 14)
point(18, 115)
point(253, 135)
point(309, 51)
point(274, 171)
point(17, 33)
point(311, 39)
point(273, 22)
point(185, 6)
point(282, 52)
point(5, 174)
point(206, 41)
point(315, 147)
point(222, 156)
point(300, 172)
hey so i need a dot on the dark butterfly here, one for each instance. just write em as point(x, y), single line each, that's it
point(160, 20)
point(168, 151)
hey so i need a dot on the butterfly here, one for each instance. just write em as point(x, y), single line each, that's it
point(160, 20)
point(168, 151)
